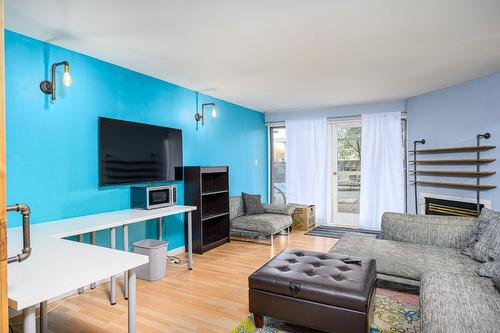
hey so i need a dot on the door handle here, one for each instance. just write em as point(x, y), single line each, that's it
point(26, 251)
point(335, 173)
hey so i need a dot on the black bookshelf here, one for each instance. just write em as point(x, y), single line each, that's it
point(208, 189)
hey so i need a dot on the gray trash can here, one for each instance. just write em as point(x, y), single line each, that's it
point(157, 252)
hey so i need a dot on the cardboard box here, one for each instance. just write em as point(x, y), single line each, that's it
point(304, 217)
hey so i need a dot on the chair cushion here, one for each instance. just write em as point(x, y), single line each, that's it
point(262, 223)
point(406, 260)
point(280, 209)
point(458, 303)
point(486, 217)
point(252, 204)
point(318, 277)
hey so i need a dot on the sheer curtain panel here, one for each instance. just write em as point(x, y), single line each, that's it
point(382, 172)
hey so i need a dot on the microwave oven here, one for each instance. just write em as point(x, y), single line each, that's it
point(151, 197)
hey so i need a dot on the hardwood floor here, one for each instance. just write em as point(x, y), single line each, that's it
point(210, 298)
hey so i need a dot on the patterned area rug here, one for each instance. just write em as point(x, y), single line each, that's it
point(391, 315)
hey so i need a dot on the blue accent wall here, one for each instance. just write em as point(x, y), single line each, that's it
point(453, 117)
point(52, 148)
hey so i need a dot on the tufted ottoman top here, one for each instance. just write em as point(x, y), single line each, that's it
point(318, 277)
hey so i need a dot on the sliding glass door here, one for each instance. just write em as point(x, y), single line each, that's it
point(345, 166)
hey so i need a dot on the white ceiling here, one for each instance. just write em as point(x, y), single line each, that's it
point(279, 55)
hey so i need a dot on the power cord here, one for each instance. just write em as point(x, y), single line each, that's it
point(176, 260)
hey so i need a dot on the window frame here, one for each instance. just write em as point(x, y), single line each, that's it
point(271, 127)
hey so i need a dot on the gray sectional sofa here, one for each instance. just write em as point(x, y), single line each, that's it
point(426, 252)
point(274, 220)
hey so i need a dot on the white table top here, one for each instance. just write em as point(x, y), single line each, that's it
point(57, 266)
point(89, 223)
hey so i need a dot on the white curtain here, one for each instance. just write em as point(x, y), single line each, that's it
point(306, 166)
point(382, 173)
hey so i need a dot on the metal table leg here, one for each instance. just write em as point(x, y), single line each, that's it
point(113, 278)
point(132, 300)
point(92, 241)
point(125, 274)
point(160, 228)
point(43, 317)
point(29, 320)
point(190, 242)
point(81, 289)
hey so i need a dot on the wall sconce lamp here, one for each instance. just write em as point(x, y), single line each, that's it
point(49, 87)
point(201, 116)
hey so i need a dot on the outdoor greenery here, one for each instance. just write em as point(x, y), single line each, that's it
point(349, 144)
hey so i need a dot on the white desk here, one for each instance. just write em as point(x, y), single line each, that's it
point(57, 266)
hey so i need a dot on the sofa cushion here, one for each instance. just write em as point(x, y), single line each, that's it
point(458, 303)
point(406, 260)
point(483, 221)
point(252, 204)
point(262, 223)
point(436, 230)
point(488, 243)
point(490, 268)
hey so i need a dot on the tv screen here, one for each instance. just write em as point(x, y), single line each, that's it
point(138, 153)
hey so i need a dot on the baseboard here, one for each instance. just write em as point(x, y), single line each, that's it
point(176, 251)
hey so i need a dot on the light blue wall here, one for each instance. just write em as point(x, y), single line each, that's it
point(453, 117)
point(52, 148)
point(339, 111)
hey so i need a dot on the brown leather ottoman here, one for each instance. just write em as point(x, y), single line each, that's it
point(314, 289)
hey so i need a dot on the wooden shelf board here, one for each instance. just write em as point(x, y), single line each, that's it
point(209, 217)
point(455, 173)
point(214, 192)
point(459, 185)
point(460, 161)
point(452, 149)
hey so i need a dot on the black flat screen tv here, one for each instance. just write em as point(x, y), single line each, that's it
point(138, 153)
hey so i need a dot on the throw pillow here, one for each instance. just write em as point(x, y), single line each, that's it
point(496, 281)
point(490, 269)
point(488, 243)
point(252, 204)
point(483, 221)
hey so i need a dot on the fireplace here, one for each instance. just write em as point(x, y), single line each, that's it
point(432, 204)
point(435, 206)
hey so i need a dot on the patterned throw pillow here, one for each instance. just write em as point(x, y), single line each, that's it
point(483, 221)
point(490, 269)
point(496, 281)
point(488, 243)
point(252, 204)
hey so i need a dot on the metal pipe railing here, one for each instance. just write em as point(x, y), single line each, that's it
point(26, 251)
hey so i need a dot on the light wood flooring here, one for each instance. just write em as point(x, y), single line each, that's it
point(210, 298)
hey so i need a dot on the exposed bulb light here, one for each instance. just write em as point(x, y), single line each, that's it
point(214, 111)
point(201, 116)
point(49, 87)
point(66, 77)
